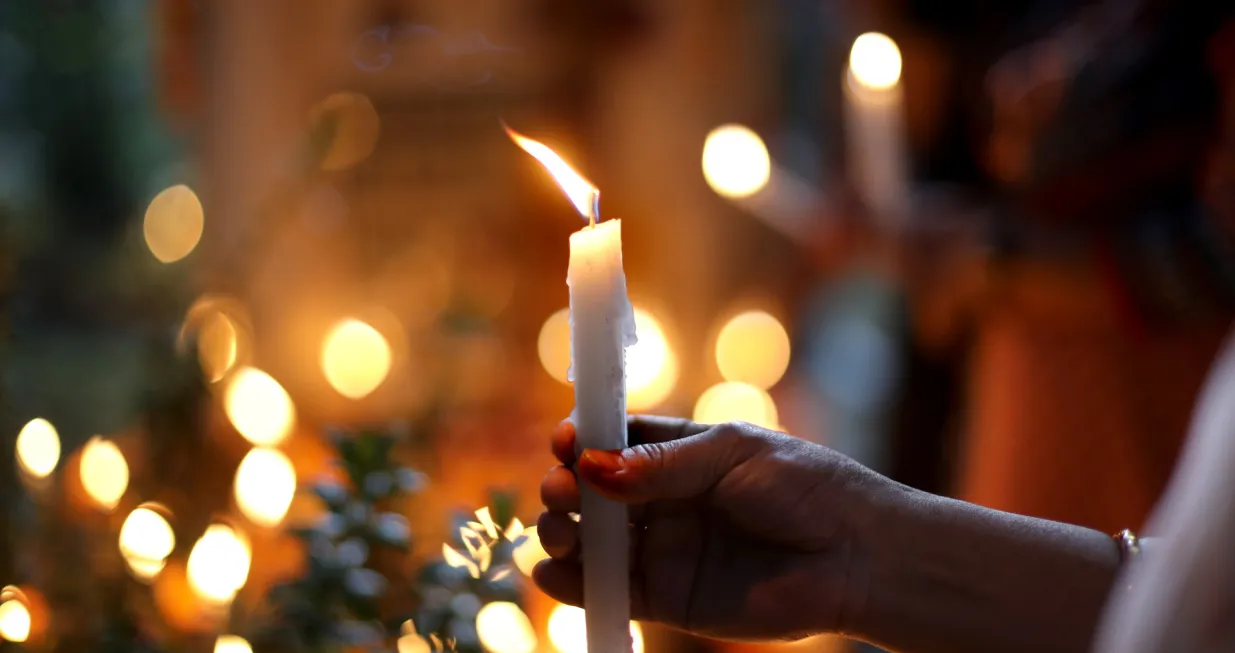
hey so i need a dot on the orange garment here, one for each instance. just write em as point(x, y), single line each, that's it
point(1071, 416)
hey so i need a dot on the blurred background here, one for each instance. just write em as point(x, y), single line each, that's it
point(282, 309)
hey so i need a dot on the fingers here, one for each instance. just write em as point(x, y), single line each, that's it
point(559, 490)
point(641, 429)
point(559, 534)
point(647, 429)
point(563, 442)
point(561, 580)
point(674, 469)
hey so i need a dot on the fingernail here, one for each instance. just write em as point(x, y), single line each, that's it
point(606, 463)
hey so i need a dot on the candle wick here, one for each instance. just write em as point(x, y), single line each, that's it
point(594, 214)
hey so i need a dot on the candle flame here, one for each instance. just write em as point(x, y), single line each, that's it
point(581, 192)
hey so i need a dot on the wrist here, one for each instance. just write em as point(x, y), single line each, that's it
point(944, 575)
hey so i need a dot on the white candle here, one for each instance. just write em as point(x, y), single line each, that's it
point(602, 325)
point(875, 128)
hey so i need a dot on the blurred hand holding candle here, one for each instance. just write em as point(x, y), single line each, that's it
point(602, 325)
point(875, 128)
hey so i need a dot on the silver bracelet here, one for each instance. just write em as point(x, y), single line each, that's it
point(1129, 546)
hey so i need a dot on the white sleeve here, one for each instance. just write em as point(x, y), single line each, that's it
point(1180, 595)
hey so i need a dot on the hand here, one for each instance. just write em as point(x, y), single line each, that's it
point(738, 532)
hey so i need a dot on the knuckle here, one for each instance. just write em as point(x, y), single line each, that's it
point(656, 456)
point(742, 438)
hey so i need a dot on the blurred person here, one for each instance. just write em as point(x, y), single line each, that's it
point(1101, 279)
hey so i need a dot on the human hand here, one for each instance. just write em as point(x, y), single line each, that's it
point(738, 532)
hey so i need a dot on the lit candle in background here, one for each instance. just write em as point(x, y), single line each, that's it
point(602, 325)
point(875, 128)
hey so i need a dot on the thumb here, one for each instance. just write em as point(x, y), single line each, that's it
point(676, 469)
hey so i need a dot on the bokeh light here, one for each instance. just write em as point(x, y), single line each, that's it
point(568, 631)
point(875, 61)
point(530, 551)
point(38, 448)
point(104, 472)
point(217, 344)
point(735, 161)
point(753, 348)
point(355, 358)
point(553, 345)
point(265, 485)
point(146, 539)
point(348, 127)
point(504, 628)
point(173, 224)
point(218, 564)
point(14, 620)
point(651, 365)
point(736, 402)
point(411, 642)
point(232, 644)
point(259, 407)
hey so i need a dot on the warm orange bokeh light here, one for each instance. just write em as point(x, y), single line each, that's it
point(264, 487)
point(753, 347)
point(219, 564)
point(259, 407)
point(875, 61)
point(736, 402)
point(38, 448)
point(173, 224)
point(504, 628)
point(568, 631)
point(355, 358)
point(651, 365)
point(736, 162)
point(146, 539)
point(104, 472)
point(352, 126)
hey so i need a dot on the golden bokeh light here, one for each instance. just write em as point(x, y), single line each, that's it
point(104, 472)
point(753, 348)
point(219, 564)
point(265, 485)
point(217, 344)
point(651, 365)
point(735, 161)
point(173, 224)
point(736, 402)
point(553, 345)
point(259, 407)
point(568, 631)
point(355, 358)
point(504, 628)
point(411, 642)
point(232, 644)
point(348, 126)
point(146, 539)
point(875, 61)
point(529, 552)
point(14, 621)
point(38, 448)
